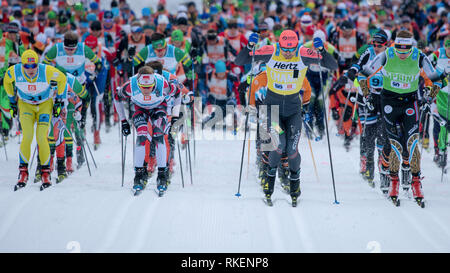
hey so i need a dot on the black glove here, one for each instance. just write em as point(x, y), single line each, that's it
point(57, 106)
point(13, 110)
point(334, 113)
point(125, 128)
point(194, 52)
point(53, 84)
point(31, 38)
point(369, 102)
point(98, 67)
point(131, 52)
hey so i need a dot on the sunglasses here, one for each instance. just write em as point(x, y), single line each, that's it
point(29, 66)
point(146, 86)
point(69, 48)
point(402, 51)
point(232, 26)
point(289, 49)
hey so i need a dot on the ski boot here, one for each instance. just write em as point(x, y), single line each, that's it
point(45, 170)
point(69, 167)
point(406, 177)
point(140, 180)
point(269, 185)
point(347, 142)
point(80, 157)
point(37, 174)
point(416, 187)
point(97, 141)
point(370, 173)
point(107, 125)
point(23, 177)
point(61, 168)
point(384, 179)
point(161, 181)
point(363, 166)
point(442, 159)
point(294, 187)
point(393, 190)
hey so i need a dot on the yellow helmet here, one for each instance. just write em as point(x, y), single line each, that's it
point(30, 57)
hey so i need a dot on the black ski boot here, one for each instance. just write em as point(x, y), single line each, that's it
point(37, 174)
point(442, 159)
point(140, 180)
point(269, 184)
point(161, 180)
point(385, 180)
point(61, 168)
point(294, 187)
point(406, 177)
point(80, 157)
point(370, 173)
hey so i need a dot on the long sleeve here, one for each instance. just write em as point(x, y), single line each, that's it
point(263, 54)
point(309, 56)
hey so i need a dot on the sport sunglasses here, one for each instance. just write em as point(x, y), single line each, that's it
point(29, 66)
point(289, 49)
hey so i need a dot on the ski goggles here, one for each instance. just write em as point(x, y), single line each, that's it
point(70, 48)
point(292, 49)
point(30, 66)
point(146, 81)
point(378, 45)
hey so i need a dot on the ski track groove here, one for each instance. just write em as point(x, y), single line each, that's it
point(115, 225)
point(12, 215)
point(144, 225)
point(417, 225)
point(302, 228)
point(274, 228)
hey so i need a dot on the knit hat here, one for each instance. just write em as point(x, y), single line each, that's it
point(220, 66)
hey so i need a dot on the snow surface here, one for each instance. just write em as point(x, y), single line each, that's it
point(95, 214)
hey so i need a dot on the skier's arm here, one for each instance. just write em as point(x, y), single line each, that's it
point(435, 75)
point(379, 61)
point(356, 67)
point(91, 56)
point(309, 56)
point(122, 93)
point(50, 56)
point(141, 56)
point(183, 58)
point(263, 54)
point(8, 84)
point(79, 89)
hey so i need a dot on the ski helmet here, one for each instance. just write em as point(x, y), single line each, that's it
point(288, 39)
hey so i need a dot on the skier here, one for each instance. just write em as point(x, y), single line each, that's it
point(287, 63)
point(148, 92)
point(35, 84)
point(400, 66)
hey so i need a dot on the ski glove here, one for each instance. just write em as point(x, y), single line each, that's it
point(125, 128)
point(318, 43)
point(306, 116)
point(131, 52)
point(369, 102)
point(77, 115)
point(252, 40)
point(57, 106)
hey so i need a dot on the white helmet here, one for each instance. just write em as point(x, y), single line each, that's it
point(320, 34)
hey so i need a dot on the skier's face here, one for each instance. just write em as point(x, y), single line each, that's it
point(146, 90)
point(178, 43)
point(160, 52)
point(70, 50)
point(30, 70)
point(288, 53)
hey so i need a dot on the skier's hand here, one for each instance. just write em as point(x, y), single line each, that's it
point(13, 110)
point(131, 52)
point(318, 43)
point(187, 98)
point(98, 67)
point(369, 102)
point(335, 113)
point(57, 107)
point(306, 115)
point(77, 115)
point(435, 89)
point(125, 128)
point(252, 40)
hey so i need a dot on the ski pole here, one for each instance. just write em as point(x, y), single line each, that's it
point(86, 156)
point(446, 130)
point(193, 106)
point(238, 194)
point(124, 151)
point(310, 129)
point(341, 119)
point(32, 158)
point(190, 163)
point(181, 163)
point(89, 148)
point(312, 154)
point(4, 146)
point(328, 135)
